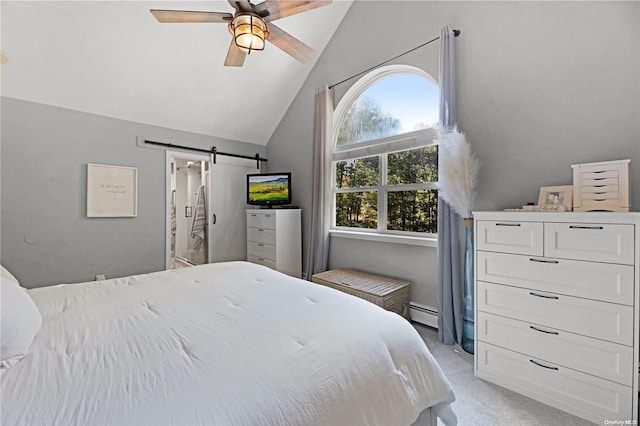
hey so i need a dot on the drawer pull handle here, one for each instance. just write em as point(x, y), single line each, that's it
point(254, 215)
point(267, 215)
point(544, 366)
point(347, 284)
point(261, 259)
point(260, 230)
point(543, 260)
point(544, 296)
point(586, 227)
point(260, 245)
point(555, 333)
point(508, 224)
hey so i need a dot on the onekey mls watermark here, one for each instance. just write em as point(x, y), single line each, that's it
point(620, 422)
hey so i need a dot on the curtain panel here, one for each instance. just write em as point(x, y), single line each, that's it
point(450, 294)
point(320, 217)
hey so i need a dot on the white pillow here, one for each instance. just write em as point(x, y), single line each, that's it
point(7, 276)
point(20, 322)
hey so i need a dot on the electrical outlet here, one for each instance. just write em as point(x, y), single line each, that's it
point(100, 277)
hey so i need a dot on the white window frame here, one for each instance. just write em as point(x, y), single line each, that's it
point(381, 148)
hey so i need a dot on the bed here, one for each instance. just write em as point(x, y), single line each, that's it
point(220, 344)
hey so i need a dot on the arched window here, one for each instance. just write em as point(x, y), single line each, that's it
point(385, 162)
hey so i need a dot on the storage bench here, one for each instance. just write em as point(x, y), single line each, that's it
point(388, 293)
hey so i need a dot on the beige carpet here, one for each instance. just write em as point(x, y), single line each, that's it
point(479, 403)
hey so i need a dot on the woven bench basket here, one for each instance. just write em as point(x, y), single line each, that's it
point(388, 293)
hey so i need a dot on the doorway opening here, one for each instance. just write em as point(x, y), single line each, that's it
point(188, 210)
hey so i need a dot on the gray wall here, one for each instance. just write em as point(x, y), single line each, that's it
point(46, 236)
point(541, 86)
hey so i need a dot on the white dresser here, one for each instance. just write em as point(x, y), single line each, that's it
point(274, 239)
point(556, 309)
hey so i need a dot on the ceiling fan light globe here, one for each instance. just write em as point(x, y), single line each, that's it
point(249, 43)
point(249, 32)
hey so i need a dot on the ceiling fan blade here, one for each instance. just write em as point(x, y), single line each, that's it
point(289, 44)
point(185, 16)
point(282, 8)
point(235, 56)
point(240, 5)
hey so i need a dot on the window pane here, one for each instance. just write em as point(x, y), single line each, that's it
point(414, 211)
point(357, 209)
point(393, 105)
point(357, 173)
point(415, 166)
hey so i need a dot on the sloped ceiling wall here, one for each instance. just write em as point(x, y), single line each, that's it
point(113, 58)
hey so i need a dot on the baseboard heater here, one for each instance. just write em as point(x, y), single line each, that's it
point(423, 314)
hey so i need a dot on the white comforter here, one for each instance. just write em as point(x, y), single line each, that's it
point(221, 344)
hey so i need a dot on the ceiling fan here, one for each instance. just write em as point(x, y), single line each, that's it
point(251, 25)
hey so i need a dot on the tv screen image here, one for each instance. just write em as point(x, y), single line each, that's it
point(269, 189)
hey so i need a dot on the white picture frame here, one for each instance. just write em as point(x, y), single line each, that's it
point(556, 198)
point(112, 191)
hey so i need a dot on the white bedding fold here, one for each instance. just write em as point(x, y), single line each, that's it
point(225, 344)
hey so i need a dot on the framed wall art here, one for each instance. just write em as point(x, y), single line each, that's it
point(112, 191)
point(556, 198)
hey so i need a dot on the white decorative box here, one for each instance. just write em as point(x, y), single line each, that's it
point(601, 186)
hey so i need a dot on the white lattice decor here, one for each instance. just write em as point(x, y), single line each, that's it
point(601, 186)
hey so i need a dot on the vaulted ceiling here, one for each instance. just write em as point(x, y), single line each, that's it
point(113, 58)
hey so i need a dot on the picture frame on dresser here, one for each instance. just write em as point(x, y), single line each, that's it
point(556, 198)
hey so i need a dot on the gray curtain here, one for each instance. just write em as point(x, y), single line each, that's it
point(318, 250)
point(450, 292)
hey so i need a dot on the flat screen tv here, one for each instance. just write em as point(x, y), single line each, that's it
point(269, 189)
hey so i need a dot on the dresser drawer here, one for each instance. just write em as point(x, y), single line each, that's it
point(261, 220)
point(593, 242)
point(262, 261)
point(590, 280)
point(607, 360)
point(510, 237)
point(607, 321)
point(578, 393)
point(261, 250)
point(595, 192)
point(261, 235)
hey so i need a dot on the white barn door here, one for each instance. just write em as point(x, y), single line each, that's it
point(228, 204)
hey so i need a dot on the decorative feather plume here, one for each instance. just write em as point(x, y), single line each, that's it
point(458, 170)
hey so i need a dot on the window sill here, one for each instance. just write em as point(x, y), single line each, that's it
point(386, 238)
